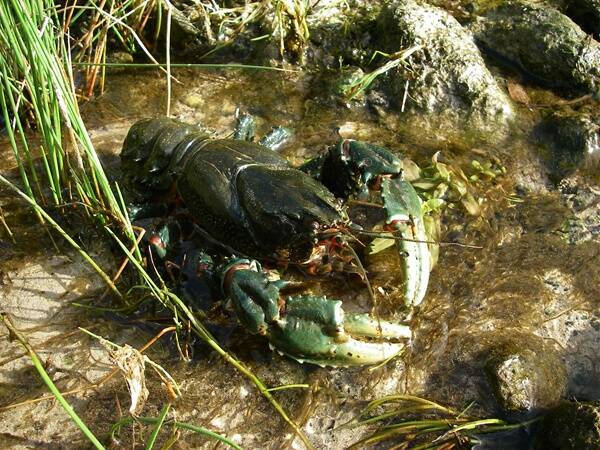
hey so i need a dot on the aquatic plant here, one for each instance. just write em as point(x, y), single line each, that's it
point(406, 421)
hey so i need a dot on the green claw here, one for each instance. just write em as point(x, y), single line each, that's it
point(403, 207)
point(371, 159)
point(255, 299)
point(349, 166)
point(308, 328)
point(368, 326)
point(315, 330)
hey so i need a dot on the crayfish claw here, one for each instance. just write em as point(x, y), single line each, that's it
point(404, 215)
point(316, 330)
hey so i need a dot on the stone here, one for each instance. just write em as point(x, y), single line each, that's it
point(447, 73)
point(526, 374)
point(572, 142)
point(543, 42)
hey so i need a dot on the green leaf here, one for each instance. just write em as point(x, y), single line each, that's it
point(471, 205)
point(410, 170)
point(379, 244)
point(435, 204)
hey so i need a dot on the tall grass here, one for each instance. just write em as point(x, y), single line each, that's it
point(63, 167)
point(121, 21)
point(36, 78)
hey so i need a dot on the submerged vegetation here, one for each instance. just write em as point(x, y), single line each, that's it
point(426, 425)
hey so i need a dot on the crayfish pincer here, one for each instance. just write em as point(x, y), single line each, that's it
point(250, 209)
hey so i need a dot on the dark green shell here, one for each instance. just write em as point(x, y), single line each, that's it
point(242, 194)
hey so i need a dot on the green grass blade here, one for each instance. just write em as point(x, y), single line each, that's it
point(186, 66)
point(116, 428)
point(159, 423)
point(63, 233)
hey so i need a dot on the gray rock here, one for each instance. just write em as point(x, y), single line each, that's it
point(448, 73)
point(572, 140)
point(543, 42)
point(571, 426)
point(526, 375)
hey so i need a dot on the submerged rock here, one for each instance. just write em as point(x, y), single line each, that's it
point(331, 88)
point(447, 74)
point(526, 375)
point(573, 141)
point(571, 426)
point(583, 225)
point(543, 42)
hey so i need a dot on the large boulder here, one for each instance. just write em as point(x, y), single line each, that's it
point(447, 73)
point(543, 42)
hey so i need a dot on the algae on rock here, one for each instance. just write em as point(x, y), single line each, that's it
point(570, 426)
point(526, 374)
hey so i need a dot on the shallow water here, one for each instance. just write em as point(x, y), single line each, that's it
point(525, 280)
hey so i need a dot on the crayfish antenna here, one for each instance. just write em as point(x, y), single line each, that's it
point(363, 273)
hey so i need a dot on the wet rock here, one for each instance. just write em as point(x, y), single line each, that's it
point(583, 200)
point(341, 33)
point(526, 375)
point(447, 74)
point(571, 426)
point(573, 141)
point(586, 13)
point(543, 42)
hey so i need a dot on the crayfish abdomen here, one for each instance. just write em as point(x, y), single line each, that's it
point(242, 194)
